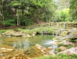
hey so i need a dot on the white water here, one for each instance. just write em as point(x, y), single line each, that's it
point(53, 33)
point(58, 31)
point(64, 25)
point(53, 41)
point(42, 33)
point(9, 35)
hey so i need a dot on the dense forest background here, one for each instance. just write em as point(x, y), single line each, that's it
point(27, 12)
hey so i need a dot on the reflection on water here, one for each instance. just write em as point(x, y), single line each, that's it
point(25, 43)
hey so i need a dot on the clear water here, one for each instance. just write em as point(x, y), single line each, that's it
point(25, 43)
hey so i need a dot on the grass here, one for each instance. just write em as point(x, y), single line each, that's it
point(49, 29)
point(69, 46)
point(61, 44)
point(59, 56)
point(34, 28)
point(64, 22)
point(1, 31)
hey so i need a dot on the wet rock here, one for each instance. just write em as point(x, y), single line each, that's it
point(6, 50)
point(70, 51)
point(20, 56)
point(34, 33)
point(43, 49)
point(14, 58)
point(67, 39)
point(39, 46)
point(67, 42)
point(74, 29)
point(50, 48)
point(16, 33)
point(3, 33)
point(69, 30)
point(3, 57)
point(55, 42)
point(74, 34)
point(9, 32)
point(27, 35)
point(7, 57)
point(58, 37)
point(64, 33)
point(51, 53)
point(37, 51)
point(59, 31)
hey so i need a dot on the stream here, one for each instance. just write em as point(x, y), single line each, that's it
point(25, 43)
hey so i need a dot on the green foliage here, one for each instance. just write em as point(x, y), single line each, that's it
point(69, 46)
point(33, 10)
point(8, 22)
point(61, 44)
point(63, 15)
point(25, 20)
point(42, 16)
point(59, 56)
point(73, 9)
point(28, 21)
point(38, 29)
point(1, 31)
point(15, 3)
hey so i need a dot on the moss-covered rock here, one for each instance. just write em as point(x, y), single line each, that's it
point(70, 51)
point(74, 33)
point(62, 48)
point(55, 42)
point(73, 36)
point(37, 51)
point(64, 33)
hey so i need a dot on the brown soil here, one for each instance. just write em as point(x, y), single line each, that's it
point(9, 27)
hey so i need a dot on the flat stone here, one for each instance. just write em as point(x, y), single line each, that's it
point(50, 48)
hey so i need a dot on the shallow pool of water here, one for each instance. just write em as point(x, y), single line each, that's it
point(25, 43)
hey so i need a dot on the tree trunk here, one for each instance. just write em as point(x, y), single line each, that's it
point(22, 11)
point(2, 12)
point(18, 24)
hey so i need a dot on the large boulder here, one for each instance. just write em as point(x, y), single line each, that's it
point(70, 51)
point(37, 51)
point(16, 34)
point(62, 48)
point(43, 49)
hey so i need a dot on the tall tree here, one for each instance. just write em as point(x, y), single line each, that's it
point(18, 12)
point(73, 9)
